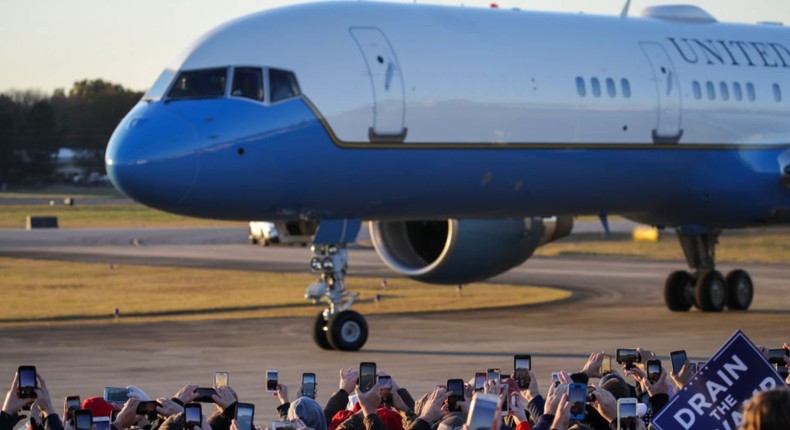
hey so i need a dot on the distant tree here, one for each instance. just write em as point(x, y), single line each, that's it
point(40, 140)
point(7, 136)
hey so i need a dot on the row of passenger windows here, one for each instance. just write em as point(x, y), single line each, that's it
point(247, 83)
point(596, 90)
point(725, 91)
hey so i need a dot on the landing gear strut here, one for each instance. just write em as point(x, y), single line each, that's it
point(336, 327)
point(706, 288)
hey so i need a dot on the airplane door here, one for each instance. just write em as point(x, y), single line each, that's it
point(669, 98)
point(385, 75)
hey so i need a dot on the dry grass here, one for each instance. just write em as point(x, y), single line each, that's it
point(36, 291)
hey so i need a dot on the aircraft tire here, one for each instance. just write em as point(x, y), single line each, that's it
point(711, 291)
point(679, 291)
point(348, 331)
point(740, 290)
point(320, 332)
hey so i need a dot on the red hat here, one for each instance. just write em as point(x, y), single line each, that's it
point(392, 419)
point(98, 406)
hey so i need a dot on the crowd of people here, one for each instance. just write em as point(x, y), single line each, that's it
point(525, 406)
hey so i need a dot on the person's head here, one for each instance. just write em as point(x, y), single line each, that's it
point(769, 410)
point(98, 406)
point(309, 411)
point(618, 387)
point(173, 422)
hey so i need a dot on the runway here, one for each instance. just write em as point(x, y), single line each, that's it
point(615, 304)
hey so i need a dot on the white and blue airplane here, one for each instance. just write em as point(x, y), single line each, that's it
point(470, 136)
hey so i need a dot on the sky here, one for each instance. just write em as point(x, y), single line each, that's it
point(49, 44)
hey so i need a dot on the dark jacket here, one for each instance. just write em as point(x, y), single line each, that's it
point(222, 421)
point(336, 403)
point(374, 422)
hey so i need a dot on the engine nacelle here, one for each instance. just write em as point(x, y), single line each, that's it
point(462, 251)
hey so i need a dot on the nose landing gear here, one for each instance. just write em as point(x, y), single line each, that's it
point(336, 327)
point(706, 288)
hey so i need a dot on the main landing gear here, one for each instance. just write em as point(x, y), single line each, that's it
point(336, 327)
point(705, 287)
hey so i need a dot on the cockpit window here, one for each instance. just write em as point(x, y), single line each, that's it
point(248, 83)
point(283, 85)
point(160, 86)
point(199, 84)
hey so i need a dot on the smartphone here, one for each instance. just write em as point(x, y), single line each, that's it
point(194, 415)
point(483, 412)
point(221, 379)
point(555, 377)
point(522, 364)
point(493, 374)
point(308, 385)
point(272, 377)
point(480, 381)
point(777, 356)
point(678, 360)
point(577, 397)
point(385, 382)
point(456, 389)
point(245, 413)
point(116, 395)
point(283, 425)
point(626, 414)
point(101, 423)
point(606, 365)
point(628, 357)
point(693, 367)
point(27, 382)
point(147, 407)
point(367, 376)
point(82, 419)
point(204, 395)
point(653, 370)
point(72, 403)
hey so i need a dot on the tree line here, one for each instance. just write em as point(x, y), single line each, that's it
point(35, 126)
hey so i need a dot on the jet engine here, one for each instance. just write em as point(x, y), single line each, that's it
point(461, 251)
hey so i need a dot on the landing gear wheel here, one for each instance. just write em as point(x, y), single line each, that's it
point(740, 290)
point(348, 331)
point(320, 332)
point(679, 291)
point(711, 291)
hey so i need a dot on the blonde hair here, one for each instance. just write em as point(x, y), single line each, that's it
point(769, 410)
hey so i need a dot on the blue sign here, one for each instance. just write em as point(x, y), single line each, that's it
point(713, 399)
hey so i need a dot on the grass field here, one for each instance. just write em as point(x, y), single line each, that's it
point(50, 292)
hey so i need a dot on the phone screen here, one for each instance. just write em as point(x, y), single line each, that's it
point(606, 364)
point(521, 366)
point(221, 379)
point(626, 416)
point(492, 374)
point(777, 355)
point(367, 376)
point(482, 411)
point(282, 425)
point(653, 370)
point(101, 423)
point(577, 397)
point(456, 387)
point(385, 382)
point(693, 367)
point(27, 378)
point(244, 416)
point(194, 415)
point(271, 379)
point(308, 385)
point(73, 402)
point(624, 355)
point(147, 407)
point(678, 360)
point(83, 418)
point(116, 395)
point(555, 377)
point(480, 381)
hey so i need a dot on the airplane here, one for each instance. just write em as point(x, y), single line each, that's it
point(468, 137)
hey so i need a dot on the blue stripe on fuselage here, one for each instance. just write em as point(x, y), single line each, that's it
point(258, 162)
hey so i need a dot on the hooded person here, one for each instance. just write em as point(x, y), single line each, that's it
point(309, 411)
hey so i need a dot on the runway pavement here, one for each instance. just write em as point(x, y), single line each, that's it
point(615, 304)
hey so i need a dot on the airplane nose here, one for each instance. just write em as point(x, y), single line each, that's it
point(152, 158)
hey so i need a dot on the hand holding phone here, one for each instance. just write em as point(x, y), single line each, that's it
point(28, 382)
point(678, 359)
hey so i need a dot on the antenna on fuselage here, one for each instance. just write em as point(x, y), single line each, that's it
point(624, 13)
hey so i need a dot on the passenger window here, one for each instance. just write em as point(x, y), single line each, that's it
point(724, 90)
point(581, 88)
point(626, 88)
point(737, 92)
point(596, 87)
point(197, 84)
point(777, 93)
point(711, 90)
point(283, 85)
point(247, 83)
point(750, 92)
point(697, 90)
point(610, 88)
